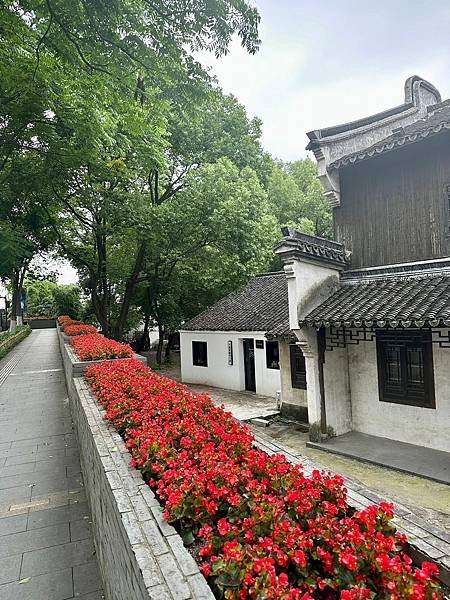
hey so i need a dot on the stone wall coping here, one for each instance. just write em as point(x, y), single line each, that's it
point(425, 541)
point(166, 568)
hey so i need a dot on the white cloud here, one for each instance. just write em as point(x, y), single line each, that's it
point(322, 64)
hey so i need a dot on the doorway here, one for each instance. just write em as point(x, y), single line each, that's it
point(249, 365)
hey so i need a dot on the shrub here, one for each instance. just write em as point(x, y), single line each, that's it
point(265, 529)
point(79, 329)
point(97, 347)
point(9, 340)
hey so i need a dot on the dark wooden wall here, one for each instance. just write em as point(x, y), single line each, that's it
point(394, 207)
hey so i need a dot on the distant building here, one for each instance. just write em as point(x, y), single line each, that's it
point(243, 342)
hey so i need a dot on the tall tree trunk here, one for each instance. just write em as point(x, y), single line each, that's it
point(159, 352)
point(128, 295)
point(100, 306)
point(144, 342)
point(169, 346)
point(16, 308)
point(14, 304)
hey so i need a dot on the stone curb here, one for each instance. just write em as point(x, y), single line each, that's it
point(425, 542)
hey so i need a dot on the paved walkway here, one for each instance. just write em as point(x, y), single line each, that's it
point(46, 548)
point(408, 458)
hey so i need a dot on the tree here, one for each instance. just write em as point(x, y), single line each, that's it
point(297, 198)
point(205, 242)
point(46, 298)
point(79, 80)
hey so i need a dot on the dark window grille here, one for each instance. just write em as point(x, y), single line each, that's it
point(200, 354)
point(405, 367)
point(298, 367)
point(272, 355)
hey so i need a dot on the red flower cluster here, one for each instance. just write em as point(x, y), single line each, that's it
point(63, 319)
point(97, 347)
point(81, 329)
point(266, 529)
point(67, 322)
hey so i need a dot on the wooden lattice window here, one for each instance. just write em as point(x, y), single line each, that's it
point(405, 367)
point(298, 367)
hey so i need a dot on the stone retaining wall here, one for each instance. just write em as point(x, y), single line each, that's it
point(140, 556)
point(73, 366)
point(41, 323)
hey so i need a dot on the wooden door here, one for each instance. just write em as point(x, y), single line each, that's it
point(249, 365)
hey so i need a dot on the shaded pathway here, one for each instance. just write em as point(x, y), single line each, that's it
point(46, 548)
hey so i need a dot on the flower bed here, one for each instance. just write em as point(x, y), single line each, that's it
point(263, 529)
point(81, 329)
point(65, 320)
point(97, 347)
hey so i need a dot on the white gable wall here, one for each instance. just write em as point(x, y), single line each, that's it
point(219, 373)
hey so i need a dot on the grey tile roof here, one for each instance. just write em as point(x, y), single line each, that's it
point(262, 305)
point(394, 301)
point(437, 121)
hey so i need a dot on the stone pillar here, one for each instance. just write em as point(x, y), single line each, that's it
point(308, 343)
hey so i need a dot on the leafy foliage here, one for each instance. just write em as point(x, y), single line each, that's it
point(47, 298)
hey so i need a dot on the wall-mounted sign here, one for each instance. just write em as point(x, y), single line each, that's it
point(230, 352)
point(259, 343)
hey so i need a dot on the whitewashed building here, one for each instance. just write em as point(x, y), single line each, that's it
point(243, 342)
point(371, 310)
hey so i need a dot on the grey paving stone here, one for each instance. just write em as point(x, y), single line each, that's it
point(42, 476)
point(10, 568)
point(98, 595)
point(51, 586)
point(14, 524)
point(86, 578)
point(59, 514)
point(57, 558)
point(17, 469)
point(80, 530)
point(34, 539)
point(15, 494)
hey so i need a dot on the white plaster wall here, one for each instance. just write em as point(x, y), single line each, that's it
point(219, 373)
point(412, 424)
point(337, 392)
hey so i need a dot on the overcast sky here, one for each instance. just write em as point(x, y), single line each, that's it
point(326, 62)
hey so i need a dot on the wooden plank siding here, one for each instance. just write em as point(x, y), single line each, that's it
point(394, 208)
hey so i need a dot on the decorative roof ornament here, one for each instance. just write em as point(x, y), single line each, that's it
point(312, 248)
point(351, 142)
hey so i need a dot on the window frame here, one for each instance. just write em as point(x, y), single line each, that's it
point(408, 393)
point(272, 344)
point(195, 353)
point(297, 382)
